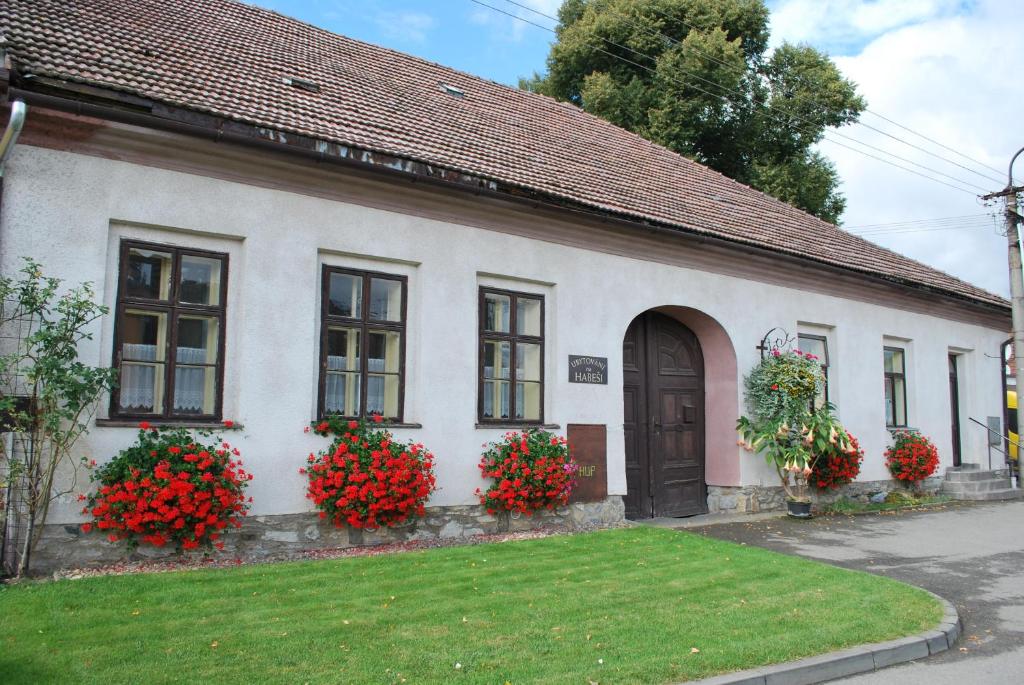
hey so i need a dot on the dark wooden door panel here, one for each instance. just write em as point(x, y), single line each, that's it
point(637, 500)
point(664, 410)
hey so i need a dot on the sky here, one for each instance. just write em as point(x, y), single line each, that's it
point(944, 69)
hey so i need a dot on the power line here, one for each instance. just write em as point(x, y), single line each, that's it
point(712, 58)
point(800, 79)
point(937, 220)
point(919, 229)
point(787, 123)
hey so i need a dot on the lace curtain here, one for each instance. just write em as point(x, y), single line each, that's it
point(139, 380)
point(337, 382)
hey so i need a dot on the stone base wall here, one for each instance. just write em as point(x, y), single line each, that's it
point(283, 535)
point(750, 499)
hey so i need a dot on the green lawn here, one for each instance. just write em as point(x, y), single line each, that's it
point(619, 606)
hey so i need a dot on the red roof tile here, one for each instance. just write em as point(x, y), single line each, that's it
point(231, 60)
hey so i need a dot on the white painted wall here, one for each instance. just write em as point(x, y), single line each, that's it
point(69, 211)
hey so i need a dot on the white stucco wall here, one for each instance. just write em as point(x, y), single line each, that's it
point(70, 210)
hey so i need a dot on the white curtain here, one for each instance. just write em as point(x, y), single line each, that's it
point(138, 381)
point(190, 382)
point(337, 383)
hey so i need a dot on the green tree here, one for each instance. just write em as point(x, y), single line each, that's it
point(697, 77)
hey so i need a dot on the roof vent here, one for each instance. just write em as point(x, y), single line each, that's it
point(302, 83)
point(452, 90)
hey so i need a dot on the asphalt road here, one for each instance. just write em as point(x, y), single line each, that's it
point(970, 554)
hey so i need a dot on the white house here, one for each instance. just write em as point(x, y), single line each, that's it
point(285, 223)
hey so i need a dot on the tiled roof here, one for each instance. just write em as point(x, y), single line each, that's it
point(231, 60)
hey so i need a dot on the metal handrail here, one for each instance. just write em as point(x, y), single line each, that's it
point(1006, 457)
point(1004, 437)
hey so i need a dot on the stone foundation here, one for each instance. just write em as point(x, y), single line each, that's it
point(750, 499)
point(282, 535)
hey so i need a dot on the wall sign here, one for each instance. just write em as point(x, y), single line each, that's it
point(584, 369)
point(588, 447)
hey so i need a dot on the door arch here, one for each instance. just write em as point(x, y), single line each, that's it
point(663, 397)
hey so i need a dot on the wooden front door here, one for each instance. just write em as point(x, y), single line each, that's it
point(663, 393)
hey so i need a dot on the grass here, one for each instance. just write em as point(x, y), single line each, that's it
point(847, 506)
point(620, 606)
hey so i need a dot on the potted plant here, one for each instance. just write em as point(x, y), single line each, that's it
point(912, 458)
point(784, 427)
point(365, 479)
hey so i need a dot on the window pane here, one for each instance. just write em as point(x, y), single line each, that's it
point(143, 335)
point(496, 359)
point(893, 361)
point(496, 312)
point(141, 388)
point(899, 401)
point(815, 346)
point(383, 353)
point(382, 395)
point(343, 349)
point(527, 316)
point(342, 393)
point(195, 389)
point(200, 280)
point(528, 401)
point(346, 296)
point(144, 342)
point(198, 340)
point(496, 399)
point(527, 362)
point(148, 274)
point(385, 300)
point(890, 413)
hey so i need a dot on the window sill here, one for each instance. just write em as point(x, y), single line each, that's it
point(165, 423)
point(902, 429)
point(518, 426)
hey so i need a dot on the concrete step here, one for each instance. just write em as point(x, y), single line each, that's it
point(978, 485)
point(989, 491)
point(963, 467)
point(955, 475)
point(998, 495)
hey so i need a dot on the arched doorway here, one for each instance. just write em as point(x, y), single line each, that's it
point(663, 394)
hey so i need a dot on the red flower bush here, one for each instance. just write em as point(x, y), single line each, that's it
point(531, 470)
point(169, 488)
point(836, 467)
point(365, 479)
point(912, 457)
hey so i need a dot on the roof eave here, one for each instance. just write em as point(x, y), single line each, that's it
point(113, 105)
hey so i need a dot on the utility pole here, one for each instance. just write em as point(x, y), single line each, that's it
point(1016, 289)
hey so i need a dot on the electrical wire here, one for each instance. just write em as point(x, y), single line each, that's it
point(788, 123)
point(712, 58)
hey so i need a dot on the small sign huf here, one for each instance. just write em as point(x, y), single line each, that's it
point(587, 369)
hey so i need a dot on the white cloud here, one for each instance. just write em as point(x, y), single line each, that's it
point(841, 23)
point(945, 76)
point(509, 28)
point(409, 27)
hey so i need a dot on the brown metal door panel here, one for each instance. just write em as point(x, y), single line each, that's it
point(588, 446)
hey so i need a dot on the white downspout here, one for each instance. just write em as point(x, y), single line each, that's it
point(18, 111)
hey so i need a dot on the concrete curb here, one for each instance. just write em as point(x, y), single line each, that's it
point(852, 661)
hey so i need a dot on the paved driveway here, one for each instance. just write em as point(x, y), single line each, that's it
point(971, 554)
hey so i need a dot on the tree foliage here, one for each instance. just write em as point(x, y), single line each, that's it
point(697, 77)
